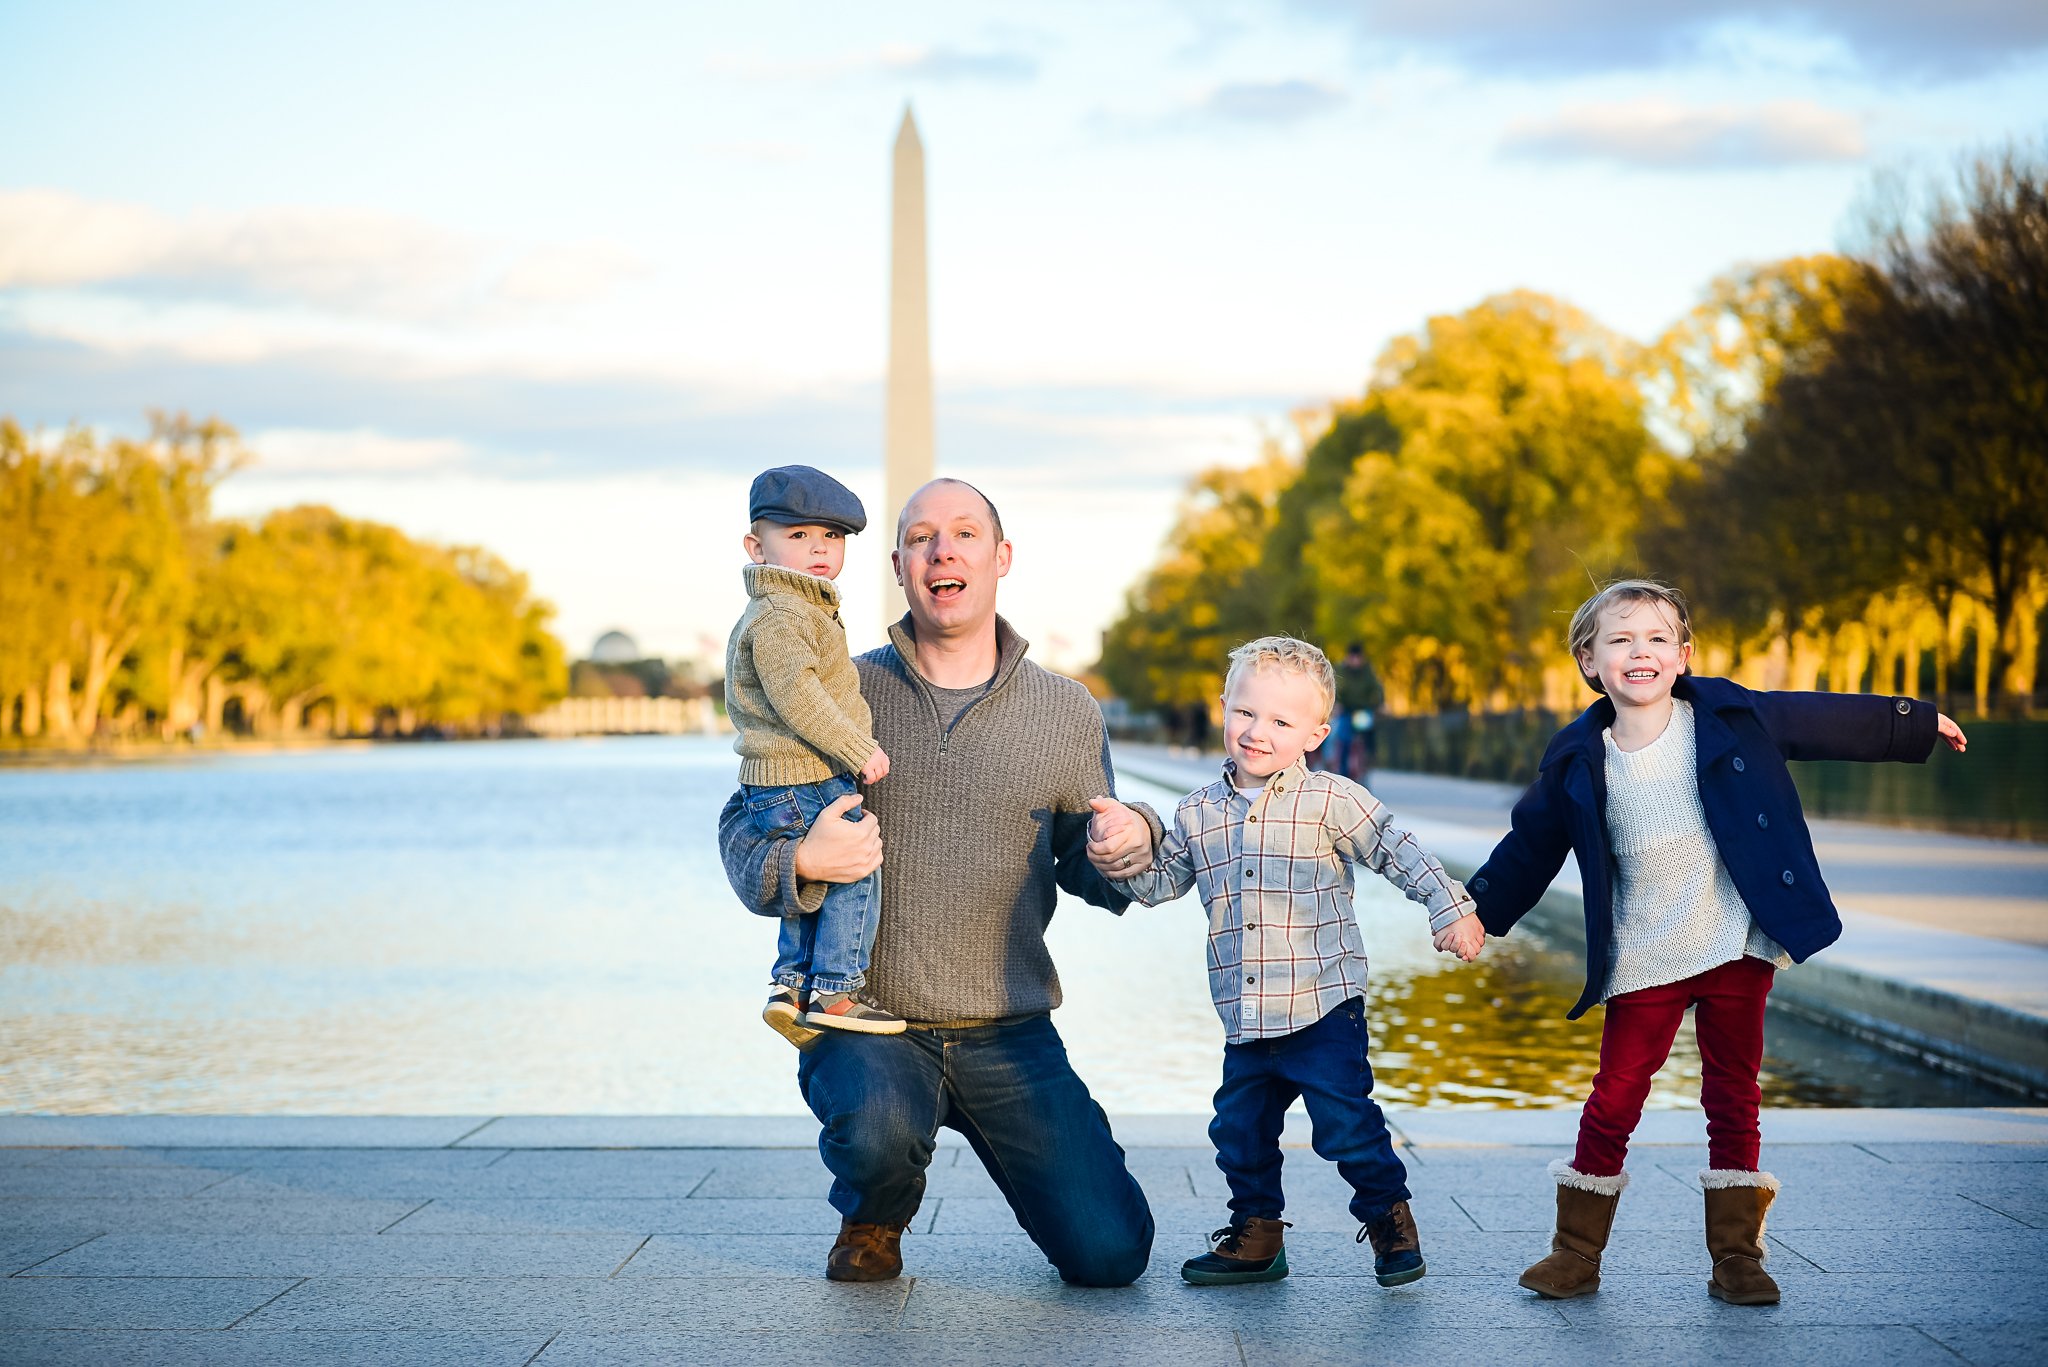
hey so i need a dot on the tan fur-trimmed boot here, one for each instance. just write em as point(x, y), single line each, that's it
point(1736, 1204)
point(1585, 1217)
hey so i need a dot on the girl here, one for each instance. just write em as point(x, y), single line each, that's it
point(1700, 883)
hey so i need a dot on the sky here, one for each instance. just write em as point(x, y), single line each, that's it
point(559, 280)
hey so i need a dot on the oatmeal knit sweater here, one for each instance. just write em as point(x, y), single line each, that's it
point(789, 687)
point(1676, 910)
point(983, 821)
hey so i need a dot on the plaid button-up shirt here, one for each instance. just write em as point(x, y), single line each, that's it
point(1274, 872)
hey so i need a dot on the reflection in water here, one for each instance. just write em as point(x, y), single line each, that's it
point(543, 928)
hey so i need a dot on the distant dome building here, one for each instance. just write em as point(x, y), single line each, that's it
point(616, 648)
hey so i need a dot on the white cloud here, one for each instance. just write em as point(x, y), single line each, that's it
point(569, 274)
point(1925, 38)
point(902, 61)
point(308, 451)
point(1661, 134)
point(348, 261)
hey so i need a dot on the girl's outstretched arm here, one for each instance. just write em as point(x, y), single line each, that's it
point(1518, 872)
point(1871, 727)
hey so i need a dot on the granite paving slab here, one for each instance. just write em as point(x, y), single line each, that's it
point(133, 1302)
point(1546, 1346)
point(738, 1305)
point(1813, 1297)
point(571, 1215)
point(255, 1348)
point(239, 1131)
point(1337, 1305)
point(1914, 1243)
point(2031, 1151)
point(343, 1255)
point(361, 1158)
point(20, 1252)
point(972, 1215)
point(948, 1349)
point(53, 1179)
point(1995, 1345)
point(204, 1215)
point(798, 1131)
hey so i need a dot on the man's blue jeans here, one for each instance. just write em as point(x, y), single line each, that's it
point(1007, 1087)
point(828, 950)
point(1325, 1066)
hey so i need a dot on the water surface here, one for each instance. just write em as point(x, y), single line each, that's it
point(542, 927)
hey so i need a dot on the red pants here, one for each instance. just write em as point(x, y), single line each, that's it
point(1728, 1017)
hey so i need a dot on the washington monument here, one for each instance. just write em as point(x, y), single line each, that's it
point(907, 460)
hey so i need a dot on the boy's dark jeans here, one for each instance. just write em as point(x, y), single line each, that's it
point(1325, 1066)
point(828, 950)
point(1007, 1087)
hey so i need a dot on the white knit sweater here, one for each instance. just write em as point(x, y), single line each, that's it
point(1676, 910)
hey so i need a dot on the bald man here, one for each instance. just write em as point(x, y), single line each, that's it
point(999, 794)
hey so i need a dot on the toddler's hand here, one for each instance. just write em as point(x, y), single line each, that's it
point(1119, 841)
point(1464, 937)
point(877, 767)
point(1951, 733)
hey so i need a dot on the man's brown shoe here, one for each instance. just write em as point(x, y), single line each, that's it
point(865, 1253)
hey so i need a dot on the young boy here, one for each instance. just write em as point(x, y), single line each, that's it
point(805, 734)
point(1271, 847)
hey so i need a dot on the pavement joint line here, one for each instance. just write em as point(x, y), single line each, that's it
point(1872, 1152)
point(1986, 1205)
point(407, 1216)
point(630, 1256)
point(485, 1124)
point(1952, 1353)
point(543, 1348)
point(244, 1318)
point(224, 1177)
point(23, 1272)
point(698, 1185)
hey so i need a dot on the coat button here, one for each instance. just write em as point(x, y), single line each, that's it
point(1905, 706)
point(1788, 878)
point(1478, 885)
point(1763, 823)
point(1251, 818)
point(1249, 978)
point(1247, 872)
point(1738, 764)
point(1251, 925)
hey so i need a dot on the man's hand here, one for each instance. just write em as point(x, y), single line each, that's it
point(1951, 733)
point(836, 850)
point(1119, 840)
point(1464, 937)
point(877, 767)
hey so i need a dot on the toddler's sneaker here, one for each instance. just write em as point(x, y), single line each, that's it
point(1396, 1247)
point(1249, 1252)
point(844, 1011)
point(785, 1016)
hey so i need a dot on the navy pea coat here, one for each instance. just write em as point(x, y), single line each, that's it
point(1744, 739)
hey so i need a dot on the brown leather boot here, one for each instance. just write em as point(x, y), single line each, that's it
point(1250, 1252)
point(865, 1253)
point(1736, 1204)
point(1585, 1216)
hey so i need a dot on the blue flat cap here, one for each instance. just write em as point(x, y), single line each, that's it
point(797, 495)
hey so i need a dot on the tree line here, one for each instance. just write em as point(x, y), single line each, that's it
point(127, 610)
point(1843, 459)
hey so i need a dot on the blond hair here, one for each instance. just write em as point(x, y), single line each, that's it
point(1285, 652)
point(1586, 621)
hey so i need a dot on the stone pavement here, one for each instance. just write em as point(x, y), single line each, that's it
point(1901, 1237)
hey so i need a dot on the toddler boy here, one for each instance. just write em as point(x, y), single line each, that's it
point(805, 735)
point(1271, 847)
